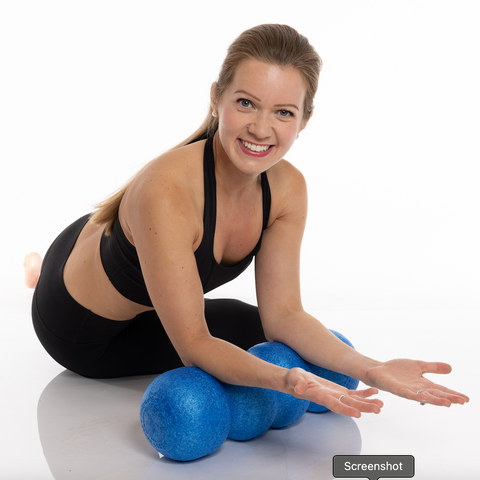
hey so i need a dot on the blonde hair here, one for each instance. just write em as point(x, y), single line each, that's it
point(275, 44)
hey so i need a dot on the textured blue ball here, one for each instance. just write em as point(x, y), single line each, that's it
point(339, 378)
point(185, 414)
point(252, 410)
point(289, 408)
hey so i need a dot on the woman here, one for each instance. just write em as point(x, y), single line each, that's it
point(121, 292)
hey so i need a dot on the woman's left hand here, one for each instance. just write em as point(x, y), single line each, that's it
point(404, 378)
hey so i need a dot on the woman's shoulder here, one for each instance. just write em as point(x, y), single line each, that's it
point(173, 171)
point(286, 173)
point(177, 163)
point(171, 182)
point(287, 184)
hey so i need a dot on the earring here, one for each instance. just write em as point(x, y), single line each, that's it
point(214, 114)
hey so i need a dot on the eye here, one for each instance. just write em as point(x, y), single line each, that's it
point(244, 102)
point(285, 113)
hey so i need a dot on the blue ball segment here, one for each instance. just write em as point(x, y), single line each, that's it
point(338, 378)
point(186, 413)
point(252, 410)
point(289, 408)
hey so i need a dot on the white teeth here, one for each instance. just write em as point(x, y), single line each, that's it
point(255, 148)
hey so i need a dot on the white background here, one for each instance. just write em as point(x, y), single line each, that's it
point(92, 90)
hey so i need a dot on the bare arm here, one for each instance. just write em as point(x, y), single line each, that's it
point(165, 228)
point(277, 271)
point(285, 321)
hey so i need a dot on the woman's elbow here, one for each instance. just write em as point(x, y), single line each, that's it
point(191, 352)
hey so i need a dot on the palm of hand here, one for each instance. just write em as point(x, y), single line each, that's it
point(405, 378)
point(336, 398)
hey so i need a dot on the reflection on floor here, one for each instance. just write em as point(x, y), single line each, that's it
point(90, 429)
point(56, 425)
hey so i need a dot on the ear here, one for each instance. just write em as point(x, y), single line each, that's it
point(213, 96)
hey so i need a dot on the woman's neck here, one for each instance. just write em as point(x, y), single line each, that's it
point(230, 180)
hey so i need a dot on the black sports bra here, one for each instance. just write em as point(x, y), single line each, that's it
point(120, 260)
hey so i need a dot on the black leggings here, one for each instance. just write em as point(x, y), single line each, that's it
point(97, 347)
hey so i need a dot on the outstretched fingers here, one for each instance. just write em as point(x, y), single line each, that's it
point(427, 396)
point(334, 397)
point(405, 378)
point(367, 392)
point(434, 395)
point(440, 397)
point(436, 367)
point(438, 394)
point(353, 405)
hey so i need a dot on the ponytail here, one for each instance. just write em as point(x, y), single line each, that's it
point(107, 211)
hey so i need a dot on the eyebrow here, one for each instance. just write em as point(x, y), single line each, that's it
point(291, 105)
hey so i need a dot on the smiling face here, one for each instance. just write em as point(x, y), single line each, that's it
point(260, 115)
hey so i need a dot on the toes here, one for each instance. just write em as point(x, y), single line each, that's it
point(32, 264)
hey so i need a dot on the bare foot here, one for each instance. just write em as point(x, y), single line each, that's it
point(32, 264)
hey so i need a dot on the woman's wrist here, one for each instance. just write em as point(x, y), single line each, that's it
point(354, 364)
point(357, 366)
point(279, 380)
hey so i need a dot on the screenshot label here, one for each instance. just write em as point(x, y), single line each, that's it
point(373, 467)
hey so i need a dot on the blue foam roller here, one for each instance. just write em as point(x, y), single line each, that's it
point(252, 410)
point(185, 414)
point(339, 378)
point(289, 408)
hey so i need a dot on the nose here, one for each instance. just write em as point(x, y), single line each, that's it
point(260, 128)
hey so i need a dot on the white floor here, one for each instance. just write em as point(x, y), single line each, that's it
point(57, 425)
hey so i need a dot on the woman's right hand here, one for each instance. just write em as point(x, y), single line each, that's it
point(338, 399)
